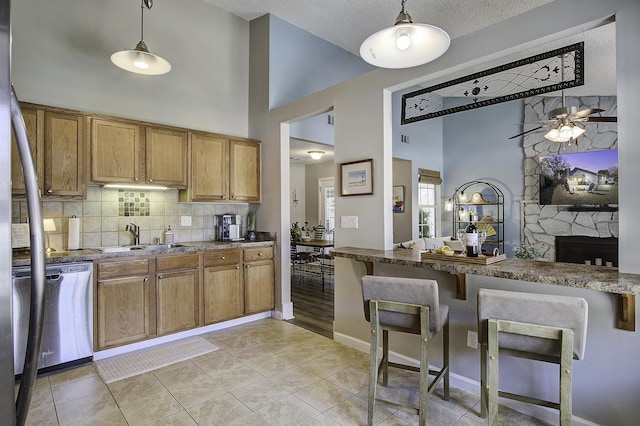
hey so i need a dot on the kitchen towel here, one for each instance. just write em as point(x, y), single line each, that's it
point(74, 233)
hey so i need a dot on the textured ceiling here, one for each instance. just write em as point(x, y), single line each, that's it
point(346, 23)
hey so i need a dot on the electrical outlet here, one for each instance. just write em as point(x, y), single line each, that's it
point(472, 339)
point(349, 222)
point(185, 220)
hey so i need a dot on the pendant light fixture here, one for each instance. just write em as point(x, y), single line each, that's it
point(140, 60)
point(405, 44)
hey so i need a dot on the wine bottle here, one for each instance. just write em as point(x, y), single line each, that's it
point(471, 239)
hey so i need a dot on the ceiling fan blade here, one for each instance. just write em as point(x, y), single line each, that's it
point(602, 119)
point(585, 112)
point(524, 133)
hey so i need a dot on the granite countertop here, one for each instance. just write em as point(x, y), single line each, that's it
point(600, 278)
point(23, 258)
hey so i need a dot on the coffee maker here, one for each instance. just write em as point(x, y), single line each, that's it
point(228, 227)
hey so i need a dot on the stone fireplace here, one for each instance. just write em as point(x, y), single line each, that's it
point(540, 225)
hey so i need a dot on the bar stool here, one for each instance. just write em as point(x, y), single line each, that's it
point(406, 305)
point(546, 328)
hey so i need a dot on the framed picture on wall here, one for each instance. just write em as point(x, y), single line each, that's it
point(356, 178)
point(398, 199)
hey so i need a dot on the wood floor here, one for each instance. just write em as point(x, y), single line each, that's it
point(312, 307)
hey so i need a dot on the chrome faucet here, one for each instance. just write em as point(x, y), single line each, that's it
point(135, 231)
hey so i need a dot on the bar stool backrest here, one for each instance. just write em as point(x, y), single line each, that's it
point(543, 309)
point(404, 290)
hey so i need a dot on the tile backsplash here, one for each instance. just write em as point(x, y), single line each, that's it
point(106, 212)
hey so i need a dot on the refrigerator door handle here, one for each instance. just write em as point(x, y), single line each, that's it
point(36, 312)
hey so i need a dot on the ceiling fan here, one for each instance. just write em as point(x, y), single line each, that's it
point(563, 122)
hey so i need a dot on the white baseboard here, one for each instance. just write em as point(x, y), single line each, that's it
point(287, 312)
point(466, 384)
point(181, 335)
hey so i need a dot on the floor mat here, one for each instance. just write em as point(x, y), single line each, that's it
point(137, 362)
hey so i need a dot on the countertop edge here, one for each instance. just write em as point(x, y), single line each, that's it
point(598, 278)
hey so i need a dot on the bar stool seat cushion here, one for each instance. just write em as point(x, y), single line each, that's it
point(405, 290)
point(543, 309)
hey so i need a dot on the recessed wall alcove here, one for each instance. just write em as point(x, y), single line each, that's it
point(540, 224)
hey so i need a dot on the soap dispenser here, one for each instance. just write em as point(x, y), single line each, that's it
point(168, 236)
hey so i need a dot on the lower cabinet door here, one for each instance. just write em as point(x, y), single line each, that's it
point(178, 301)
point(259, 287)
point(123, 311)
point(223, 293)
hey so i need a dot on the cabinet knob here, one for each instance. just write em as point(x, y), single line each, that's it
point(223, 196)
point(260, 254)
point(136, 179)
point(160, 276)
point(247, 266)
point(49, 191)
point(233, 197)
point(150, 180)
point(222, 258)
point(146, 279)
point(237, 267)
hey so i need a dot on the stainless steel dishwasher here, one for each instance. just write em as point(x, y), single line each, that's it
point(67, 334)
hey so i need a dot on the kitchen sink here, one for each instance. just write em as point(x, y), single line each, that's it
point(116, 249)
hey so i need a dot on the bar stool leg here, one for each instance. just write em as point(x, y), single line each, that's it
point(492, 398)
point(566, 371)
point(424, 366)
point(483, 381)
point(384, 364)
point(445, 358)
point(373, 363)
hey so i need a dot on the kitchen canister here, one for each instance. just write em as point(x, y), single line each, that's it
point(74, 233)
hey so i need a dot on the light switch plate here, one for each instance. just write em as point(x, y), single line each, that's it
point(472, 339)
point(349, 222)
point(185, 220)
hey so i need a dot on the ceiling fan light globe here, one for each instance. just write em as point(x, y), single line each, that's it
point(565, 132)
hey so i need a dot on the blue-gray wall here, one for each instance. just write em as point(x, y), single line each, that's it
point(477, 147)
point(301, 64)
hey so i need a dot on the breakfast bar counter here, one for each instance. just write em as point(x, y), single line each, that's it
point(598, 278)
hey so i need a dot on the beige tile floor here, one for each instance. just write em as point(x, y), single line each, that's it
point(268, 372)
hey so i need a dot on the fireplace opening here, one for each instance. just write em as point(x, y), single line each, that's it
point(578, 249)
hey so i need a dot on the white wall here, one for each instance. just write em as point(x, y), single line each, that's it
point(363, 130)
point(61, 54)
point(297, 179)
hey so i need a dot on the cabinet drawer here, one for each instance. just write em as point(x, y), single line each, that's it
point(122, 268)
point(177, 261)
point(259, 253)
point(221, 257)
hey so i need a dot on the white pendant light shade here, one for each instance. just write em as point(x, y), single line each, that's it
point(141, 61)
point(405, 44)
point(316, 155)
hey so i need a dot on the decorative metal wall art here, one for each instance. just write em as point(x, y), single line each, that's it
point(546, 72)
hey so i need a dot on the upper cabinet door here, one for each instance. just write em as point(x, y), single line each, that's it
point(63, 144)
point(167, 151)
point(209, 168)
point(34, 122)
point(115, 151)
point(244, 170)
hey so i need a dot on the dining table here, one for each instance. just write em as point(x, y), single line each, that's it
point(321, 244)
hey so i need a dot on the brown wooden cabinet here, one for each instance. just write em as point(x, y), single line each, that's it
point(63, 154)
point(125, 312)
point(209, 179)
point(244, 170)
point(259, 280)
point(166, 156)
point(178, 292)
point(34, 123)
point(116, 152)
point(57, 146)
point(223, 285)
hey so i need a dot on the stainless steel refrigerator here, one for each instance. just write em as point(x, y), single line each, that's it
point(15, 411)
